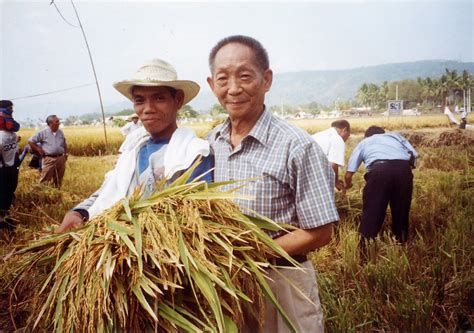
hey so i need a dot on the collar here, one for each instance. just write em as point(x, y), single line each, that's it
point(158, 141)
point(259, 131)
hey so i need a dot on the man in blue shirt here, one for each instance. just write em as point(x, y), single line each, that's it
point(388, 158)
point(158, 150)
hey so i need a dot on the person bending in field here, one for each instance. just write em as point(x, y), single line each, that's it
point(333, 143)
point(389, 159)
point(155, 151)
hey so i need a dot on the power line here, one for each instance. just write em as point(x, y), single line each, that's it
point(60, 14)
point(53, 92)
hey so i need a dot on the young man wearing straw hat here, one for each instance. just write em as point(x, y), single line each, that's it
point(155, 151)
point(294, 182)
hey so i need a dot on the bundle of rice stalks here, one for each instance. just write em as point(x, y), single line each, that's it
point(183, 259)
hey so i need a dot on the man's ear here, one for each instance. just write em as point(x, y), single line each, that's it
point(211, 83)
point(179, 98)
point(268, 78)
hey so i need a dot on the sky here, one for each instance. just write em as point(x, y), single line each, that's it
point(43, 49)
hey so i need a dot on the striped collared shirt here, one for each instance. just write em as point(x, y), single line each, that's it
point(296, 184)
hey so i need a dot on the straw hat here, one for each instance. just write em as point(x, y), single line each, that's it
point(130, 117)
point(158, 73)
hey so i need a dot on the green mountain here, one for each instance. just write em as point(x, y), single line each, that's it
point(325, 87)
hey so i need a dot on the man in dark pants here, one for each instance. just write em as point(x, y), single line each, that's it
point(8, 167)
point(389, 158)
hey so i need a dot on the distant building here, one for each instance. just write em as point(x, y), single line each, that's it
point(411, 112)
point(359, 112)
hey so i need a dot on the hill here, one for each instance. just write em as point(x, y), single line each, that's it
point(325, 87)
point(292, 88)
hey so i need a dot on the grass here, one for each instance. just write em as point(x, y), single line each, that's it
point(425, 285)
point(89, 140)
point(392, 123)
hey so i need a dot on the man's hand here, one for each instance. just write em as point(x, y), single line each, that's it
point(348, 179)
point(70, 221)
point(340, 185)
point(36, 148)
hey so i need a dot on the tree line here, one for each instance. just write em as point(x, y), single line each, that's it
point(450, 89)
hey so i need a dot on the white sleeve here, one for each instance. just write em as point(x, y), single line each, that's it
point(336, 152)
point(125, 129)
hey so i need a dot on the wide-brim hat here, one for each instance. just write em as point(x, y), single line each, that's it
point(158, 73)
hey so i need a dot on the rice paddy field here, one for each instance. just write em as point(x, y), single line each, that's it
point(425, 285)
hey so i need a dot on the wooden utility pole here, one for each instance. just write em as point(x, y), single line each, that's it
point(95, 75)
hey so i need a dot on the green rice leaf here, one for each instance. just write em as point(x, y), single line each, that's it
point(176, 318)
point(137, 291)
point(126, 207)
point(119, 228)
point(58, 264)
point(58, 315)
point(124, 237)
point(207, 289)
point(230, 326)
point(268, 292)
point(138, 243)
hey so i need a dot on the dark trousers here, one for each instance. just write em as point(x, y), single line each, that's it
point(8, 183)
point(387, 182)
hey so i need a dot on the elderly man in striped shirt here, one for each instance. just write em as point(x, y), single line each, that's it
point(295, 182)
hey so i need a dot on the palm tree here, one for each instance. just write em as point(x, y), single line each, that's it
point(431, 90)
point(373, 94)
point(383, 92)
point(466, 83)
point(442, 90)
point(428, 90)
point(362, 96)
point(452, 82)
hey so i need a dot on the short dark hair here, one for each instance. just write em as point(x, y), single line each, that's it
point(341, 124)
point(49, 118)
point(374, 130)
point(261, 55)
point(5, 103)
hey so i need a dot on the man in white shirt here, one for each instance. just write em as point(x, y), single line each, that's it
point(131, 125)
point(332, 142)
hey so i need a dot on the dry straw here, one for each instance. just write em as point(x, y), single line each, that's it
point(183, 259)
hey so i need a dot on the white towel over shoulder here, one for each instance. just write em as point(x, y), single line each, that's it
point(182, 150)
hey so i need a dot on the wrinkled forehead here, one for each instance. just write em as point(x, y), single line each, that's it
point(234, 55)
